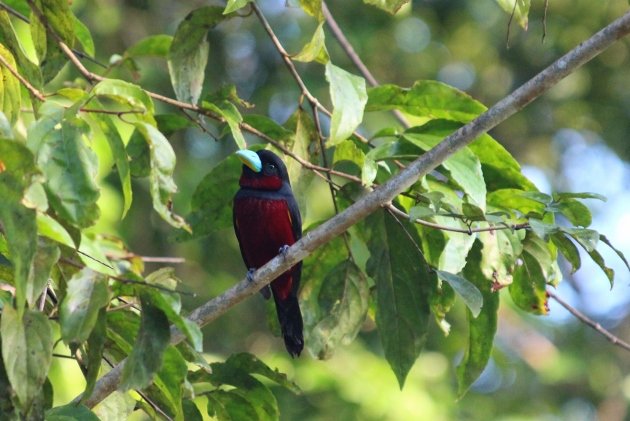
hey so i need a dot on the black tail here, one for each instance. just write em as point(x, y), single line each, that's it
point(290, 319)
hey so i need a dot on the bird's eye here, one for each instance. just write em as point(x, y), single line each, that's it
point(270, 168)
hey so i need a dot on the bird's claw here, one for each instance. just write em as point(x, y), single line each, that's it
point(250, 274)
point(283, 250)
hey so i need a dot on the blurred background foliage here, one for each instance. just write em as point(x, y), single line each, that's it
point(575, 138)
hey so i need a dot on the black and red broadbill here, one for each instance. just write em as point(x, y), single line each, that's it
point(267, 220)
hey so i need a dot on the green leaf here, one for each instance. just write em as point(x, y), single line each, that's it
point(232, 117)
point(18, 221)
point(211, 204)
point(95, 347)
point(568, 250)
point(453, 255)
point(167, 388)
point(315, 49)
point(5, 128)
point(348, 96)
point(542, 229)
point(300, 141)
point(599, 260)
point(146, 357)
point(229, 405)
point(250, 364)
point(71, 412)
point(27, 345)
point(589, 239)
point(529, 289)
point(83, 36)
point(154, 45)
point(473, 212)
point(391, 6)
point(576, 212)
point(313, 8)
point(268, 127)
point(426, 98)
point(465, 289)
point(403, 282)
point(170, 304)
point(347, 150)
point(127, 94)
point(60, 19)
point(93, 255)
point(606, 241)
point(500, 252)
point(188, 54)
point(117, 147)
point(481, 329)
point(343, 299)
point(10, 95)
point(86, 294)
point(519, 9)
point(171, 123)
point(69, 165)
point(515, 200)
point(161, 176)
point(463, 166)
point(190, 411)
point(234, 5)
point(47, 255)
point(584, 195)
point(117, 406)
point(248, 387)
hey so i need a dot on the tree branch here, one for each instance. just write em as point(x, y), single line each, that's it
point(589, 322)
point(37, 94)
point(505, 108)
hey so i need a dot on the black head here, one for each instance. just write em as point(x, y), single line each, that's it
point(262, 170)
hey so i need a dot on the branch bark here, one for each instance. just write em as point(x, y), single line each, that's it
point(384, 194)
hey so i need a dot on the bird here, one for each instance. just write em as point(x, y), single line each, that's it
point(267, 221)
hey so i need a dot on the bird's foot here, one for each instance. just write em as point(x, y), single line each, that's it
point(283, 250)
point(250, 274)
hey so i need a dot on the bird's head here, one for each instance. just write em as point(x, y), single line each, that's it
point(263, 170)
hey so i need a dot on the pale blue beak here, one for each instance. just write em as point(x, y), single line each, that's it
point(251, 159)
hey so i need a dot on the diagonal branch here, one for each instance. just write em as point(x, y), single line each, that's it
point(346, 46)
point(589, 322)
point(505, 108)
point(33, 90)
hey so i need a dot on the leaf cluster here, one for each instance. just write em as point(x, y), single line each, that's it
point(472, 227)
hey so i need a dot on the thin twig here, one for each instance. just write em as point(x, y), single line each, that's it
point(130, 281)
point(373, 201)
point(148, 259)
point(544, 20)
point(286, 58)
point(589, 322)
point(111, 112)
point(68, 357)
point(37, 94)
point(509, 25)
point(346, 46)
point(469, 231)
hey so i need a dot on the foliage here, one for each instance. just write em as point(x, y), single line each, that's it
point(464, 232)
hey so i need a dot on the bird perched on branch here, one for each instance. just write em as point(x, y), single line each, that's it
point(267, 221)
